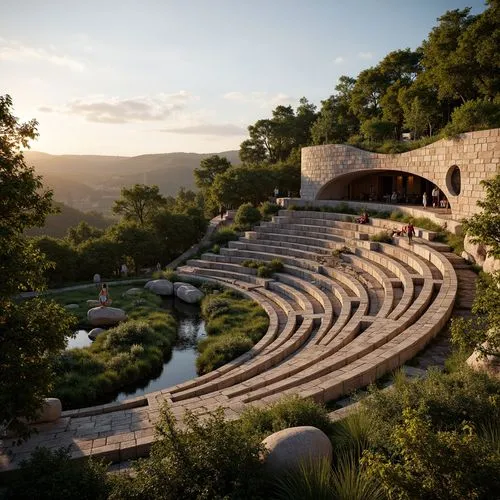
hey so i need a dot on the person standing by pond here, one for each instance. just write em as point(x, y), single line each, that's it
point(104, 298)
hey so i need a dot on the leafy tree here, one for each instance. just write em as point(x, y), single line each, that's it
point(247, 183)
point(140, 244)
point(377, 130)
point(474, 115)
point(102, 255)
point(178, 231)
point(479, 46)
point(61, 255)
point(209, 168)
point(30, 332)
point(444, 67)
point(484, 227)
point(139, 202)
point(83, 232)
point(370, 86)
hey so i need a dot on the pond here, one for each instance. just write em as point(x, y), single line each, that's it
point(181, 365)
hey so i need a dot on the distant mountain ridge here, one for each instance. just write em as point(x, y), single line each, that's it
point(93, 182)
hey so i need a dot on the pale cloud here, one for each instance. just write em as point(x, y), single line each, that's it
point(17, 52)
point(338, 60)
point(262, 99)
point(125, 110)
point(213, 129)
point(365, 55)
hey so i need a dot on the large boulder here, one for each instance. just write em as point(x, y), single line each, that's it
point(160, 287)
point(488, 363)
point(50, 412)
point(189, 293)
point(291, 447)
point(95, 332)
point(104, 316)
point(71, 306)
point(177, 285)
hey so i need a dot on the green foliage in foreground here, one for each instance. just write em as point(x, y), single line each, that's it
point(435, 438)
point(209, 459)
point(233, 325)
point(53, 475)
point(119, 357)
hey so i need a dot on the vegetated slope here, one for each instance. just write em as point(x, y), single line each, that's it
point(57, 225)
point(102, 173)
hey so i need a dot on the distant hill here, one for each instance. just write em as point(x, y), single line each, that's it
point(92, 182)
point(57, 225)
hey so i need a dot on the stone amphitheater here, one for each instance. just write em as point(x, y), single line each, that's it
point(344, 311)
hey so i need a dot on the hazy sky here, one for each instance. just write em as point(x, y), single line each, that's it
point(131, 77)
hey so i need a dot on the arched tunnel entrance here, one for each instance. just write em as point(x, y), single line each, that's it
point(381, 186)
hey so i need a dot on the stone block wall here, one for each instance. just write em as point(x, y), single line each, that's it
point(477, 154)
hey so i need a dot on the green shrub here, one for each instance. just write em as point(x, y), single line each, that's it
point(217, 351)
point(247, 216)
point(227, 315)
point(381, 237)
point(215, 249)
point(264, 272)
point(53, 475)
point(224, 235)
point(214, 306)
point(209, 458)
point(290, 411)
point(434, 464)
point(267, 209)
point(252, 264)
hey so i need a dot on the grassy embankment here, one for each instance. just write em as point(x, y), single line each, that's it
point(233, 325)
point(120, 357)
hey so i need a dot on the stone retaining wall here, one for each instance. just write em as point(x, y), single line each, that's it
point(477, 154)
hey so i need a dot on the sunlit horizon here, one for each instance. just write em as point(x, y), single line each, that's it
point(127, 80)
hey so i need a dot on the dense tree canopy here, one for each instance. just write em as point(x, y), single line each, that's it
point(139, 202)
point(30, 332)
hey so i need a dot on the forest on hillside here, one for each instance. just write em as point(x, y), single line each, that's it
point(448, 85)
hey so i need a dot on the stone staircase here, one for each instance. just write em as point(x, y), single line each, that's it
point(344, 311)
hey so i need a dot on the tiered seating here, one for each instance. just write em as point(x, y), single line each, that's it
point(344, 311)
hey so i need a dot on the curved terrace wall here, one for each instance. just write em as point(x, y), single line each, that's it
point(477, 154)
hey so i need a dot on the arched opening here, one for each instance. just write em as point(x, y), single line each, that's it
point(453, 180)
point(381, 186)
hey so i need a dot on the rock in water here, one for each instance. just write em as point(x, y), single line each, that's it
point(103, 316)
point(189, 293)
point(95, 332)
point(160, 287)
point(290, 447)
point(71, 306)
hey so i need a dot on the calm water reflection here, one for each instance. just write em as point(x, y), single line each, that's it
point(182, 364)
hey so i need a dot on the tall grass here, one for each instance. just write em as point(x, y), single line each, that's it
point(233, 324)
point(121, 356)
